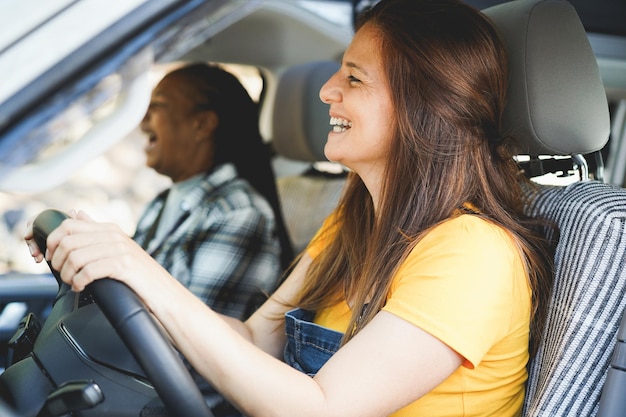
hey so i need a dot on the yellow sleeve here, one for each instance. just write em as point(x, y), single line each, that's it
point(465, 284)
point(322, 237)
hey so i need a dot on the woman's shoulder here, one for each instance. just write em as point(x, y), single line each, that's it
point(470, 228)
point(467, 239)
point(464, 254)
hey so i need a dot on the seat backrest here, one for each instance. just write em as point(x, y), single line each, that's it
point(557, 106)
point(300, 128)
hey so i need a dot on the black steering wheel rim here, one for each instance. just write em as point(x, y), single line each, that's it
point(130, 318)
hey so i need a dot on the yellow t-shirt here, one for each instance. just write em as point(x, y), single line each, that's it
point(465, 284)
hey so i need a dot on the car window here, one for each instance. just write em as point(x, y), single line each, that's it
point(114, 186)
point(62, 152)
point(76, 146)
point(35, 43)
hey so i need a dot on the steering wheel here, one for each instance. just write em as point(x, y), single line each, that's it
point(130, 318)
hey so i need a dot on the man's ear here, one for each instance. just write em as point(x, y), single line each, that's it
point(207, 121)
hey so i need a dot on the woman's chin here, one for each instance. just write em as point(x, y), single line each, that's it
point(332, 152)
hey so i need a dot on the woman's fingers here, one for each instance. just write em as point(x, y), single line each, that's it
point(80, 260)
point(80, 215)
point(79, 226)
point(83, 251)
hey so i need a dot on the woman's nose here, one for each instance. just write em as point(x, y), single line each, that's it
point(144, 121)
point(330, 91)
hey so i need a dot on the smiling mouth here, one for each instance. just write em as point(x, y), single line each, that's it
point(339, 124)
point(152, 140)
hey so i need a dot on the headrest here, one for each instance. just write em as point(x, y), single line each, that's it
point(556, 102)
point(300, 120)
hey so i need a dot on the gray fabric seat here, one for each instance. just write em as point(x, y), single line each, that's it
point(300, 127)
point(557, 106)
point(567, 375)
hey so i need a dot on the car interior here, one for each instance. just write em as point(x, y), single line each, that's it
point(549, 51)
point(91, 360)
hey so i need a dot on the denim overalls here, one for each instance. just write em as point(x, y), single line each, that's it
point(309, 345)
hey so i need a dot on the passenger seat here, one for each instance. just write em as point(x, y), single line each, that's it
point(300, 127)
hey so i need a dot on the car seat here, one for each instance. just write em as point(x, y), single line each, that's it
point(300, 127)
point(557, 106)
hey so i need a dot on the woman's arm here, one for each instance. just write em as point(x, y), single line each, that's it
point(101, 250)
point(388, 365)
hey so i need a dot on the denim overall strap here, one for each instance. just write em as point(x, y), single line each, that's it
point(309, 345)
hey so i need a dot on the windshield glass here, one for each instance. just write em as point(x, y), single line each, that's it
point(36, 35)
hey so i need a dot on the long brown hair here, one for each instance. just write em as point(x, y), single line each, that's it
point(447, 70)
point(237, 137)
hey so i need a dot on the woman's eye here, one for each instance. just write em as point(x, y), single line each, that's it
point(155, 105)
point(353, 80)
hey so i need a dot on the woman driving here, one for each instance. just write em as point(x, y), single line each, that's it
point(422, 291)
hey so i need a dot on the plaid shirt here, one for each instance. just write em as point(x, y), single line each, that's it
point(223, 246)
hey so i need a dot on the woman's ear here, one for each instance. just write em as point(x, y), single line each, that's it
point(207, 122)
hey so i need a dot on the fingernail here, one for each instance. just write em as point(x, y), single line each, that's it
point(47, 255)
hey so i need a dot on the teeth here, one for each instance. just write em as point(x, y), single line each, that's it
point(339, 124)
